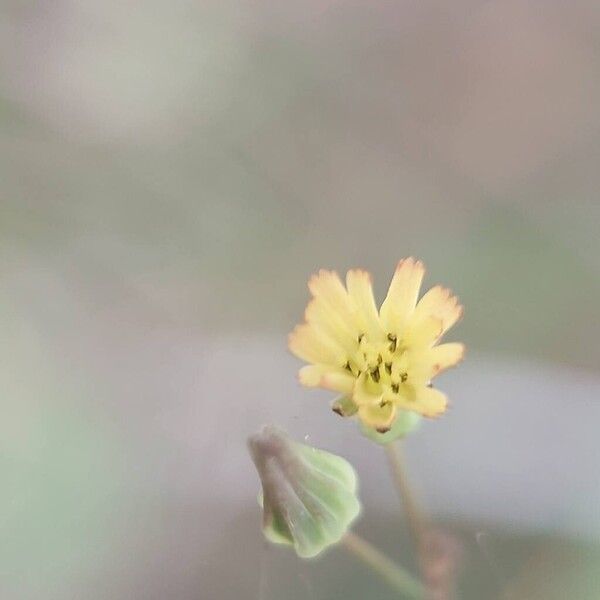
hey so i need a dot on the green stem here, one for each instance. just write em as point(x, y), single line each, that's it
point(396, 576)
point(417, 522)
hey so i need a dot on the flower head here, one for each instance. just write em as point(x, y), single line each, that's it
point(381, 361)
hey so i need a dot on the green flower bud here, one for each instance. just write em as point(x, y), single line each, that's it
point(308, 495)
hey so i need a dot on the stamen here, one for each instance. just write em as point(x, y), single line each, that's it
point(395, 387)
point(403, 377)
point(394, 341)
point(388, 368)
point(375, 375)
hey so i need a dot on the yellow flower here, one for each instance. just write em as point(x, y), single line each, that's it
point(381, 361)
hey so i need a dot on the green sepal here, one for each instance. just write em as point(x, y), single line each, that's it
point(406, 422)
point(344, 406)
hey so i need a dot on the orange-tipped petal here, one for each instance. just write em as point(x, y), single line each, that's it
point(337, 380)
point(328, 287)
point(429, 402)
point(310, 375)
point(440, 303)
point(445, 356)
point(310, 345)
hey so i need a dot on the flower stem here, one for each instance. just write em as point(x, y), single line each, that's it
point(414, 515)
point(396, 576)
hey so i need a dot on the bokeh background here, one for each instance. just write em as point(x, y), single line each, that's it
point(172, 172)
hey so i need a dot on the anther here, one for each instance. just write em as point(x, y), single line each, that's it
point(395, 387)
point(394, 341)
point(375, 374)
point(403, 377)
point(388, 368)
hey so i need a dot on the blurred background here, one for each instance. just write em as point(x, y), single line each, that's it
point(172, 172)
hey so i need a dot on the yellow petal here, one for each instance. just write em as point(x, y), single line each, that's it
point(327, 286)
point(310, 375)
point(366, 391)
point(429, 402)
point(360, 291)
point(321, 317)
point(444, 356)
point(402, 295)
point(401, 366)
point(378, 417)
point(439, 303)
point(422, 332)
point(338, 381)
point(311, 345)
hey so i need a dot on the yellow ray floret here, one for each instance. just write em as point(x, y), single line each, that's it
point(382, 361)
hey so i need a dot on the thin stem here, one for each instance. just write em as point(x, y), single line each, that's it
point(396, 576)
point(415, 517)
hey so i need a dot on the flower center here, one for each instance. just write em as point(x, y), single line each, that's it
point(384, 361)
